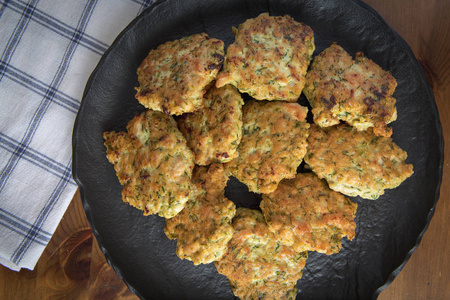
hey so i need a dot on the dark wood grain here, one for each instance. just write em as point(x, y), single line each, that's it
point(73, 267)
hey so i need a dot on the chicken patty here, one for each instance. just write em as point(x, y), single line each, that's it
point(269, 58)
point(358, 91)
point(273, 144)
point(174, 77)
point(356, 163)
point(307, 216)
point(153, 163)
point(215, 131)
point(257, 264)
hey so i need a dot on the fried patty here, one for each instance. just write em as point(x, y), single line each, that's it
point(153, 163)
point(307, 216)
point(273, 144)
point(269, 58)
point(358, 91)
point(257, 264)
point(356, 163)
point(173, 78)
point(203, 228)
point(215, 131)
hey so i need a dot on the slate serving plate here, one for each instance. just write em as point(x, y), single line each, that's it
point(388, 229)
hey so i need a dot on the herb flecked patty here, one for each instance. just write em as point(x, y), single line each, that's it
point(307, 216)
point(356, 163)
point(257, 264)
point(215, 131)
point(273, 144)
point(203, 228)
point(174, 77)
point(269, 58)
point(153, 163)
point(358, 91)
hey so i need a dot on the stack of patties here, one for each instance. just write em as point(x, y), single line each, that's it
point(155, 161)
point(268, 61)
point(176, 157)
point(358, 158)
point(152, 160)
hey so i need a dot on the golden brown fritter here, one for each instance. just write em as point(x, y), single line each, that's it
point(356, 163)
point(173, 78)
point(203, 228)
point(269, 58)
point(153, 164)
point(358, 91)
point(307, 216)
point(215, 131)
point(273, 144)
point(257, 264)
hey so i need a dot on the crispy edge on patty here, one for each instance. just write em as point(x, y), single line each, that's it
point(307, 216)
point(174, 77)
point(358, 91)
point(356, 163)
point(215, 131)
point(153, 164)
point(257, 264)
point(203, 228)
point(273, 144)
point(269, 58)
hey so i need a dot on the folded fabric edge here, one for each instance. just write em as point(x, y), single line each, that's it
point(8, 264)
point(33, 251)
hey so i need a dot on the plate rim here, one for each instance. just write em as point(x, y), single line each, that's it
point(439, 131)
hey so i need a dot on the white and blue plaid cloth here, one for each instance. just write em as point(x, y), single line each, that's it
point(48, 49)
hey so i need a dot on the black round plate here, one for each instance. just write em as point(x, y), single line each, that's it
point(388, 229)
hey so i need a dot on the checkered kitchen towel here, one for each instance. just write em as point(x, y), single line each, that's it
point(48, 49)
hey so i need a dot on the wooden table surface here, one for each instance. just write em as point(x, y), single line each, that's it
point(73, 267)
